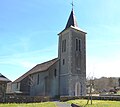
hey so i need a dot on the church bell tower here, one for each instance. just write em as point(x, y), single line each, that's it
point(72, 59)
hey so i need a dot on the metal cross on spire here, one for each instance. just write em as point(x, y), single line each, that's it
point(72, 4)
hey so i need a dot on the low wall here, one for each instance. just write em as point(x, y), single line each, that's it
point(113, 98)
point(35, 99)
point(24, 99)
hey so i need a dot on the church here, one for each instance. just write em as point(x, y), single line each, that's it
point(64, 75)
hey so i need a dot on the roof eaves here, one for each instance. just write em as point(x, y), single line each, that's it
point(32, 72)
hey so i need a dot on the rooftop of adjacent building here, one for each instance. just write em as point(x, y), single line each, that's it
point(3, 78)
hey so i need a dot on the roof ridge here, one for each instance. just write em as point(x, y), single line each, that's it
point(47, 61)
point(36, 69)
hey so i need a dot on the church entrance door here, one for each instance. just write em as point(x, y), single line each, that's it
point(77, 89)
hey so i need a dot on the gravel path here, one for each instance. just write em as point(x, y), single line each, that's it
point(62, 104)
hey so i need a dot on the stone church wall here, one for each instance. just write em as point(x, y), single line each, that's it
point(47, 84)
point(38, 87)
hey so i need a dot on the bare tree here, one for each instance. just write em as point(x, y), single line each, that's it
point(90, 84)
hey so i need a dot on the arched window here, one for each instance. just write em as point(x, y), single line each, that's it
point(38, 79)
point(80, 44)
point(64, 45)
point(76, 45)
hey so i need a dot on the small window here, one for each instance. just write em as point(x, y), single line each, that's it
point(38, 79)
point(55, 72)
point(63, 61)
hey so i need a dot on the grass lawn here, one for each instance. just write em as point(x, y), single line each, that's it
point(96, 103)
point(46, 104)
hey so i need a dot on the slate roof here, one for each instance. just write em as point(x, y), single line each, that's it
point(72, 23)
point(3, 78)
point(38, 68)
point(72, 20)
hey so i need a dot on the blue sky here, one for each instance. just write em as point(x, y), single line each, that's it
point(29, 28)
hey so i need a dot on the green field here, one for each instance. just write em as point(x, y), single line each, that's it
point(46, 104)
point(96, 103)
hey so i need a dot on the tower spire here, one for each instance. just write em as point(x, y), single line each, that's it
point(72, 20)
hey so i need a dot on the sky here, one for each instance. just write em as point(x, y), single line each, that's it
point(29, 28)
